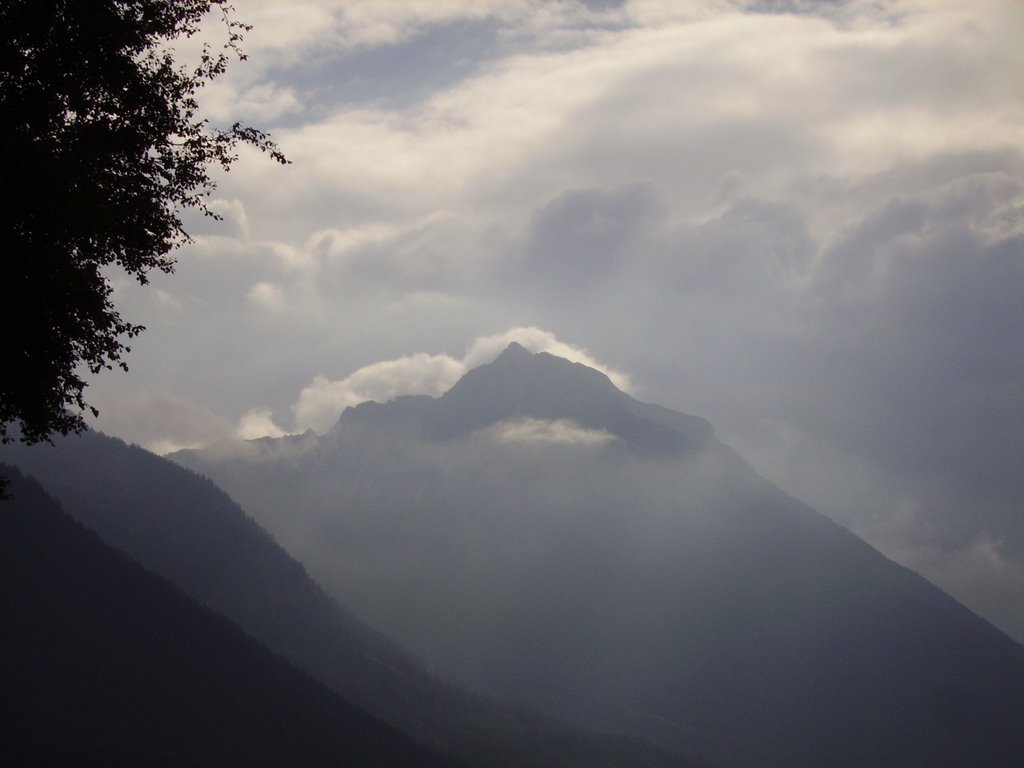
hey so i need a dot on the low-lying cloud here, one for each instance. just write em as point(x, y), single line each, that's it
point(547, 431)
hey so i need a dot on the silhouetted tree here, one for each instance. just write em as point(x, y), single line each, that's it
point(102, 147)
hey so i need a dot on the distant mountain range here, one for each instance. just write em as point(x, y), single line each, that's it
point(541, 537)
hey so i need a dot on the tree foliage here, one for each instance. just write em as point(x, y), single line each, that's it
point(102, 149)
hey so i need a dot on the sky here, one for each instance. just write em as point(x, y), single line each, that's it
point(801, 221)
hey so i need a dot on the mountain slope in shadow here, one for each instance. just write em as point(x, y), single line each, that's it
point(102, 662)
point(182, 527)
point(541, 537)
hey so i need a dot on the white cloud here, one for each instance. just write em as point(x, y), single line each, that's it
point(267, 295)
point(167, 300)
point(556, 432)
point(260, 102)
point(322, 400)
point(160, 421)
point(257, 423)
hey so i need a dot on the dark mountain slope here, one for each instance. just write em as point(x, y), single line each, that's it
point(647, 582)
point(184, 528)
point(101, 662)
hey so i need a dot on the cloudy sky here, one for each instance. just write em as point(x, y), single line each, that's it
point(802, 221)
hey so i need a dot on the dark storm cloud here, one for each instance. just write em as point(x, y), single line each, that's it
point(919, 347)
point(581, 238)
point(755, 245)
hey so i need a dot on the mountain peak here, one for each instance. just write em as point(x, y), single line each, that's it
point(542, 371)
point(520, 384)
point(514, 351)
point(519, 379)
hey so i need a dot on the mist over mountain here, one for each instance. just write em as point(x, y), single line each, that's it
point(104, 663)
point(537, 535)
point(185, 529)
